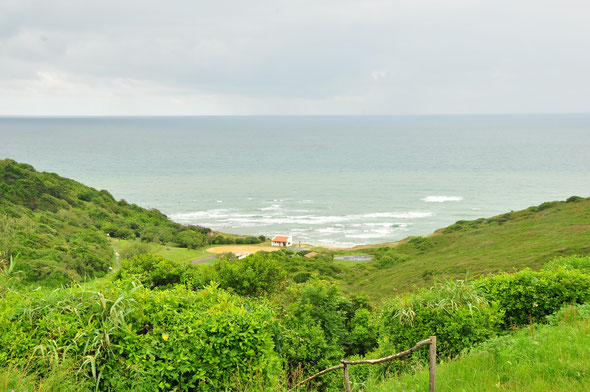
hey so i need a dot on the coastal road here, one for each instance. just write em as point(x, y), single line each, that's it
point(204, 260)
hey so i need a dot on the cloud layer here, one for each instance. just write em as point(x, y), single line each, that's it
point(293, 57)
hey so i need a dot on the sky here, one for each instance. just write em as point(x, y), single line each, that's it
point(274, 57)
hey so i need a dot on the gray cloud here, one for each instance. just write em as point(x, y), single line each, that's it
point(273, 57)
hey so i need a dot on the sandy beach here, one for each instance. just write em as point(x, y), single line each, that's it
point(241, 249)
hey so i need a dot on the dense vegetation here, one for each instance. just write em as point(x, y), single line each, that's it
point(159, 322)
point(58, 227)
point(546, 358)
point(266, 321)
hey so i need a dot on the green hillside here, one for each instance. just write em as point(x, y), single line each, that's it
point(267, 321)
point(56, 228)
point(507, 242)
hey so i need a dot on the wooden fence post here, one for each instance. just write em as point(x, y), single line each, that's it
point(431, 342)
point(432, 363)
point(346, 379)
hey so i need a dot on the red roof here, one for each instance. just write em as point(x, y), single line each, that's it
point(280, 238)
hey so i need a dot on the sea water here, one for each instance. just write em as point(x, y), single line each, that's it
point(329, 180)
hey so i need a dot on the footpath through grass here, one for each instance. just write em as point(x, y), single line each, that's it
point(535, 359)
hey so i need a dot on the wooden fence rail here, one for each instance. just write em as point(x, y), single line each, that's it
point(431, 342)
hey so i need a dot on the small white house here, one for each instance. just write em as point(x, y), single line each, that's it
point(282, 240)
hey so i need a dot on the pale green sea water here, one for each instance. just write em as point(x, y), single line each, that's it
point(328, 180)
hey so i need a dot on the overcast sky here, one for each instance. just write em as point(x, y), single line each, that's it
point(123, 57)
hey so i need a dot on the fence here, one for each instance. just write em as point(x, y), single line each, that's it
point(344, 364)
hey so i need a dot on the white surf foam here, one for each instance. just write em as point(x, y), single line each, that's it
point(441, 199)
point(272, 207)
point(399, 215)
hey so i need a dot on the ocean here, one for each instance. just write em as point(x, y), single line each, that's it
point(328, 180)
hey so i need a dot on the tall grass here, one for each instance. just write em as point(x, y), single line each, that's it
point(536, 359)
point(62, 378)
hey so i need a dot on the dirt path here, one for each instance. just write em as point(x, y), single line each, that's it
point(203, 260)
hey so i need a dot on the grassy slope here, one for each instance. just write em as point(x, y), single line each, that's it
point(168, 251)
point(545, 358)
point(513, 241)
point(57, 227)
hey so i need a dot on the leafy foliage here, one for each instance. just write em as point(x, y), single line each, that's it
point(152, 271)
point(576, 262)
point(134, 249)
point(527, 296)
point(387, 257)
point(256, 274)
point(453, 311)
point(319, 327)
point(124, 337)
point(538, 358)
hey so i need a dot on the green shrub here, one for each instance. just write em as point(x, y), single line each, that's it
point(313, 333)
point(569, 313)
point(153, 270)
point(574, 199)
point(134, 249)
point(217, 342)
point(454, 311)
point(190, 239)
point(363, 333)
point(576, 262)
point(545, 206)
point(301, 277)
point(421, 243)
point(387, 257)
point(120, 232)
point(124, 337)
point(256, 274)
point(527, 296)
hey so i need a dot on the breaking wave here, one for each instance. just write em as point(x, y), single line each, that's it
point(441, 199)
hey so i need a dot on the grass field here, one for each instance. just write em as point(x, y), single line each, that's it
point(509, 242)
point(170, 252)
point(538, 359)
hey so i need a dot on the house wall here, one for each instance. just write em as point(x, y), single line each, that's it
point(289, 242)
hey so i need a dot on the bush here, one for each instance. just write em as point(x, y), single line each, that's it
point(545, 206)
point(363, 333)
point(190, 239)
point(120, 337)
point(134, 249)
point(256, 274)
point(528, 296)
point(313, 333)
point(120, 232)
point(574, 199)
point(454, 311)
point(161, 235)
point(217, 342)
point(301, 277)
point(421, 243)
point(387, 257)
point(153, 270)
point(576, 262)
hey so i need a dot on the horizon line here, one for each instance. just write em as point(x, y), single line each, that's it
point(45, 116)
